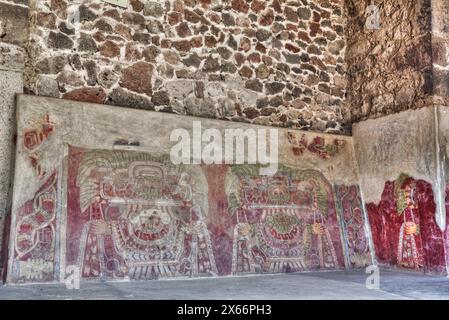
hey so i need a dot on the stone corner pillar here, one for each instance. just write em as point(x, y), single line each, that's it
point(14, 37)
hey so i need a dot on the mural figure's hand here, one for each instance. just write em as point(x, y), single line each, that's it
point(318, 229)
point(244, 229)
point(411, 228)
point(99, 227)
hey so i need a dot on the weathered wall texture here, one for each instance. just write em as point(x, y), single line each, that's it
point(402, 157)
point(126, 211)
point(389, 69)
point(13, 39)
point(271, 62)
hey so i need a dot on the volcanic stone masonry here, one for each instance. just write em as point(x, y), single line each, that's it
point(271, 62)
point(389, 69)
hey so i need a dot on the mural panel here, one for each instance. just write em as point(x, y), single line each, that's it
point(285, 223)
point(137, 215)
point(404, 229)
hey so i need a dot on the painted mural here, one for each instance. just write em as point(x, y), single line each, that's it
point(404, 229)
point(135, 215)
point(123, 214)
point(285, 223)
point(318, 145)
point(353, 225)
point(33, 138)
point(34, 244)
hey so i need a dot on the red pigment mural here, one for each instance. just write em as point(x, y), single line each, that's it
point(318, 145)
point(136, 215)
point(446, 233)
point(353, 225)
point(33, 138)
point(284, 223)
point(35, 235)
point(404, 229)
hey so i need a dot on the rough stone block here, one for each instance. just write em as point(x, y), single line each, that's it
point(14, 24)
point(12, 57)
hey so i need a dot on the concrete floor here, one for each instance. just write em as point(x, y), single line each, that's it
point(323, 285)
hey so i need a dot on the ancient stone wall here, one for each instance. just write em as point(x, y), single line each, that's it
point(274, 62)
point(390, 67)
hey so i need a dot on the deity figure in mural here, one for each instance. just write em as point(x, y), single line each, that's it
point(282, 222)
point(145, 217)
point(320, 238)
point(409, 246)
point(94, 258)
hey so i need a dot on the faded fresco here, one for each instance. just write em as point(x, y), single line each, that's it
point(353, 223)
point(404, 229)
point(402, 165)
point(34, 244)
point(285, 223)
point(318, 146)
point(135, 215)
point(85, 198)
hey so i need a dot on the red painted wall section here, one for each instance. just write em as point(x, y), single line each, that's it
point(403, 226)
point(220, 224)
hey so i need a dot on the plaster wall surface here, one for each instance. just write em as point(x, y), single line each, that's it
point(9, 82)
point(395, 144)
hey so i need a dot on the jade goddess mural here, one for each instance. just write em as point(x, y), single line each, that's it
point(143, 218)
point(285, 223)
